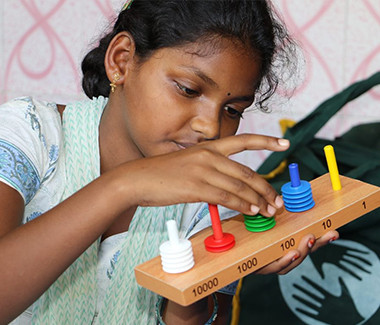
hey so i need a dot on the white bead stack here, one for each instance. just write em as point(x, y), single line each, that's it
point(176, 254)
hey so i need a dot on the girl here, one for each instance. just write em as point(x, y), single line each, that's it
point(98, 179)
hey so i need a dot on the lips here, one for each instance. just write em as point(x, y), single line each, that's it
point(184, 145)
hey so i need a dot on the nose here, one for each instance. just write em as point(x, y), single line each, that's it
point(207, 123)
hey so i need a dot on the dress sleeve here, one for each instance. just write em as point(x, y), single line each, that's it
point(24, 153)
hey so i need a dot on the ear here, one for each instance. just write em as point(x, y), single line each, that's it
point(119, 57)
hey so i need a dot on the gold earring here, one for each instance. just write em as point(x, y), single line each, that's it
point(113, 85)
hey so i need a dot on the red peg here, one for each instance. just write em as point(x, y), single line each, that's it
point(219, 241)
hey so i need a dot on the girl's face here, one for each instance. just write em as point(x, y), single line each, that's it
point(180, 97)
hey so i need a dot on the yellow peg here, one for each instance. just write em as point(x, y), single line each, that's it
point(333, 168)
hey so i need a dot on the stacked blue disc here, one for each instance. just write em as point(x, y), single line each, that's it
point(297, 193)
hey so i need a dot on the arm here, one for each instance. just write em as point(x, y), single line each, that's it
point(34, 255)
point(199, 173)
point(11, 204)
point(199, 312)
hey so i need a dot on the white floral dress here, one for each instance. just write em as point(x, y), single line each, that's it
point(32, 162)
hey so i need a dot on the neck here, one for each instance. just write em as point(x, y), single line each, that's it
point(115, 145)
point(115, 149)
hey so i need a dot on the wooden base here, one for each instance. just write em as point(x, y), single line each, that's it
point(252, 251)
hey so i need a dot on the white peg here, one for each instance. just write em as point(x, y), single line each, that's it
point(172, 232)
point(176, 254)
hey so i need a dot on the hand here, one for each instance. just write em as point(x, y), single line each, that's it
point(319, 306)
point(295, 257)
point(353, 261)
point(204, 173)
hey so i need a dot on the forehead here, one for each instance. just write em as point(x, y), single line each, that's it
point(224, 61)
point(221, 59)
point(211, 45)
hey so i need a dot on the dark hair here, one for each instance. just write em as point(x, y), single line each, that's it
point(156, 24)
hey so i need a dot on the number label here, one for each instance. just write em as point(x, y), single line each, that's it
point(326, 224)
point(288, 244)
point(245, 266)
point(206, 286)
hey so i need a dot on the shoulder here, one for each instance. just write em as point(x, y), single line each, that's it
point(30, 141)
point(27, 102)
point(30, 125)
point(29, 110)
point(85, 109)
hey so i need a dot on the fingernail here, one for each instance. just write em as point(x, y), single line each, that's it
point(295, 257)
point(310, 243)
point(332, 239)
point(271, 210)
point(254, 209)
point(283, 142)
point(278, 201)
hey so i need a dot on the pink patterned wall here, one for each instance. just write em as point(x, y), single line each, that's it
point(43, 41)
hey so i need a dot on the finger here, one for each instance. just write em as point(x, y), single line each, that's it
point(325, 239)
point(295, 257)
point(282, 265)
point(218, 196)
point(243, 191)
point(257, 190)
point(249, 198)
point(305, 247)
point(238, 143)
point(309, 244)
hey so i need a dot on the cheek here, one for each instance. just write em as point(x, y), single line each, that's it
point(151, 123)
point(229, 128)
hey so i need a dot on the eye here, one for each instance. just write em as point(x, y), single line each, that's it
point(233, 112)
point(188, 92)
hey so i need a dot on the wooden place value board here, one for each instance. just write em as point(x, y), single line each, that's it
point(252, 251)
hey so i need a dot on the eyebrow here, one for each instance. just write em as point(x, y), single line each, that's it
point(200, 74)
point(244, 98)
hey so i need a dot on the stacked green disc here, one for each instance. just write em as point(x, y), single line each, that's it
point(258, 223)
